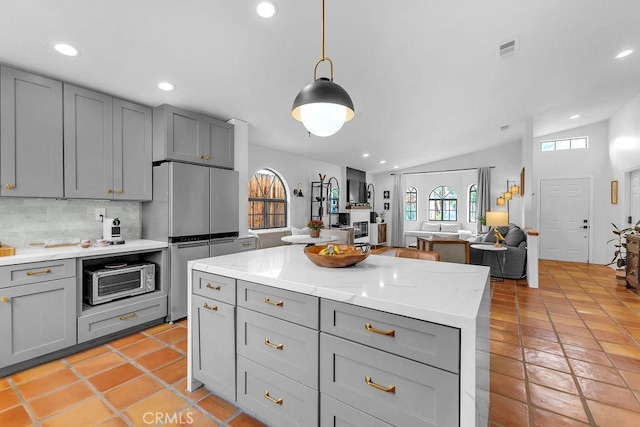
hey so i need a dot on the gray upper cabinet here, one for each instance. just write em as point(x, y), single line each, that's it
point(31, 161)
point(107, 147)
point(191, 137)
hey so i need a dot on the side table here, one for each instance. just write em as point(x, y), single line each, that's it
point(495, 250)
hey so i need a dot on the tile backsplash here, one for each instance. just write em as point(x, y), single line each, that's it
point(23, 221)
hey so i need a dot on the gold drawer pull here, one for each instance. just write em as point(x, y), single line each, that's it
point(274, 346)
point(33, 273)
point(207, 157)
point(8, 186)
point(4, 299)
point(276, 401)
point(208, 307)
point(127, 316)
point(110, 191)
point(119, 191)
point(201, 156)
point(215, 288)
point(389, 333)
point(276, 303)
point(390, 389)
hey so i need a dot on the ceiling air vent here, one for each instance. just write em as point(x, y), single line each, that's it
point(508, 49)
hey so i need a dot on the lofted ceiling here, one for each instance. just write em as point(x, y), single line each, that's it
point(424, 75)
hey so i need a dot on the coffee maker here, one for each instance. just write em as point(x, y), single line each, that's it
point(111, 231)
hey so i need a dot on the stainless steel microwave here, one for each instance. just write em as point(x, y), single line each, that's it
point(108, 282)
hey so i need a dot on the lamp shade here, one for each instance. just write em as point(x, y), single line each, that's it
point(515, 189)
point(323, 107)
point(507, 196)
point(497, 218)
point(500, 201)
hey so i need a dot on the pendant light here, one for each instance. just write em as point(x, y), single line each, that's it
point(323, 106)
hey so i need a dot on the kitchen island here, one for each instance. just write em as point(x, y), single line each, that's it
point(418, 330)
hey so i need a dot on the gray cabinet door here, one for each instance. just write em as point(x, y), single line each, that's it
point(37, 319)
point(132, 143)
point(218, 143)
point(182, 134)
point(213, 341)
point(30, 135)
point(88, 144)
point(224, 190)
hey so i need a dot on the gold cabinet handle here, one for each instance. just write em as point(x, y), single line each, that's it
point(389, 333)
point(389, 389)
point(33, 273)
point(212, 308)
point(207, 157)
point(4, 299)
point(119, 191)
point(110, 191)
point(201, 156)
point(274, 346)
point(276, 303)
point(215, 288)
point(128, 316)
point(8, 186)
point(276, 401)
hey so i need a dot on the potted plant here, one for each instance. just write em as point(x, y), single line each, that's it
point(382, 215)
point(483, 222)
point(620, 252)
point(315, 225)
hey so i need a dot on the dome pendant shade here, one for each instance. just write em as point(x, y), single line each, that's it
point(323, 106)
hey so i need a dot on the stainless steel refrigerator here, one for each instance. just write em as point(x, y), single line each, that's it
point(194, 209)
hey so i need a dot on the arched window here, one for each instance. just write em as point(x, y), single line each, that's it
point(267, 201)
point(411, 204)
point(443, 204)
point(473, 196)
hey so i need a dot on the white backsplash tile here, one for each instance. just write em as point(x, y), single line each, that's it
point(23, 221)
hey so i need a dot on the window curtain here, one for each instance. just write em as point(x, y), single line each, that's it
point(397, 212)
point(483, 201)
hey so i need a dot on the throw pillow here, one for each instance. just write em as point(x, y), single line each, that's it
point(451, 228)
point(490, 237)
point(515, 237)
point(430, 226)
point(299, 231)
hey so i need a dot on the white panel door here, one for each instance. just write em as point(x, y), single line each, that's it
point(635, 197)
point(564, 219)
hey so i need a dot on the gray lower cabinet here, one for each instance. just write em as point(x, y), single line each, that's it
point(213, 345)
point(107, 147)
point(187, 136)
point(37, 310)
point(334, 413)
point(31, 163)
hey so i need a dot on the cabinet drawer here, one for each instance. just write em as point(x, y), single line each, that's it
point(279, 401)
point(425, 342)
point(337, 414)
point(213, 286)
point(287, 348)
point(214, 351)
point(396, 390)
point(22, 274)
point(291, 306)
point(117, 319)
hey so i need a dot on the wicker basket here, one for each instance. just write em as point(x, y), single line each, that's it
point(7, 250)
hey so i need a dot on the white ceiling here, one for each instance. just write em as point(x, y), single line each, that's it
point(424, 75)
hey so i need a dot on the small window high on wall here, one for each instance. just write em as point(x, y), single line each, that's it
point(411, 204)
point(443, 204)
point(267, 201)
point(565, 144)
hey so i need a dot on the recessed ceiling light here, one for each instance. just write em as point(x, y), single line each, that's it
point(365, 155)
point(624, 53)
point(267, 9)
point(382, 162)
point(575, 116)
point(395, 167)
point(166, 86)
point(66, 49)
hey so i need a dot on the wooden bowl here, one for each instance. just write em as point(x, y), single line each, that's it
point(334, 261)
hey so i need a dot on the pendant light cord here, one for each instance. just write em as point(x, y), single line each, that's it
point(323, 58)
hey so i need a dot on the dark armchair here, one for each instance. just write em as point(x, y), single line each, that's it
point(515, 257)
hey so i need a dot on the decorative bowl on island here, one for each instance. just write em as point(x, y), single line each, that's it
point(348, 255)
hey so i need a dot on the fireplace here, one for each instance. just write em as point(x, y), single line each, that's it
point(361, 230)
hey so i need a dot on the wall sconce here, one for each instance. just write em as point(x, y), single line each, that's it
point(298, 191)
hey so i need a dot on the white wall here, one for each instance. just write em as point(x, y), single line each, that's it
point(506, 159)
point(583, 163)
point(293, 169)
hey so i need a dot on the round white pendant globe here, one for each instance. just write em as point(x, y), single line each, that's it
point(266, 9)
point(322, 118)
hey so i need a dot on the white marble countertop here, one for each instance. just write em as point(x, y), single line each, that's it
point(36, 254)
point(439, 292)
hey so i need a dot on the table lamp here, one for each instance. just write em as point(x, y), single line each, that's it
point(497, 219)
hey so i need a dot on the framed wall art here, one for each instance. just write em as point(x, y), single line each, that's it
point(386, 206)
point(522, 182)
point(385, 195)
point(614, 192)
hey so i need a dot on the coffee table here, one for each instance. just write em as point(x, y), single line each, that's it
point(495, 250)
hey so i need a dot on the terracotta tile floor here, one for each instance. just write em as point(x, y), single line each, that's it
point(566, 354)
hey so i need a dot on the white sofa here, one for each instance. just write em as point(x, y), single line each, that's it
point(438, 230)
